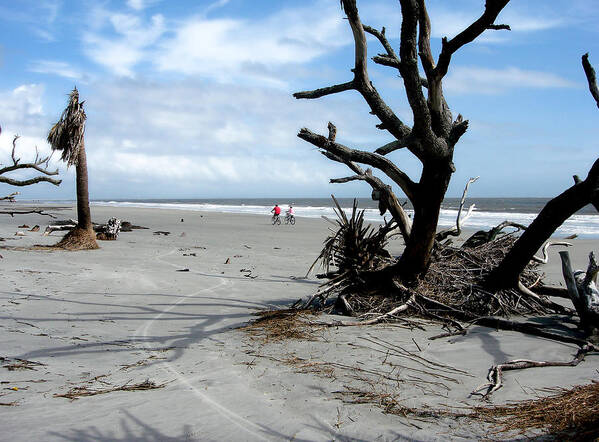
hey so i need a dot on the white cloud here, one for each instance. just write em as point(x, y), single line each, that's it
point(59, 68)
point(225, 49)
point(138, 5)
point(128, 44)
point(216, 5)
point(476, 80)
point(21, 108)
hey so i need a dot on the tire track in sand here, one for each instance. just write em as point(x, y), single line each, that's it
point(227, 413)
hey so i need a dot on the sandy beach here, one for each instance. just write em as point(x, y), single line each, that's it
point(167, 309)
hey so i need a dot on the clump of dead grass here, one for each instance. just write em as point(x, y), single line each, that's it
point(278, 325)
point(77, 392)
point(570, 414)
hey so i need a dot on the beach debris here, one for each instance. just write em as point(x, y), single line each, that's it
point(142, 362)
point(9, 404)
point(277, 325)
point(77, 392)
point(545, 258)
point(573, 236)
point(35, 228)
point(571, 414)
point(582, 289)
point(109, 231)
point(182, 270)
point(182, 235)
point(246, 246)
point(19, 233)
point(162, 232)
point(60, 226)
point(127, 226)
point(12, 364)
point(23, 226)
point(228, 261)
point(190, 254)
point(495, 375)
point(10, 198)
point(181, 219)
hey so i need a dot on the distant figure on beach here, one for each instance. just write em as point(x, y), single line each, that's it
point(290, 215)
point(276, 211)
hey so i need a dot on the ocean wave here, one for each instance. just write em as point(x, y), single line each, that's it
point(583, 225)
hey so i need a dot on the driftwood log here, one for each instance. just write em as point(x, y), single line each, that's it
point(108, 231)
point(582, 288)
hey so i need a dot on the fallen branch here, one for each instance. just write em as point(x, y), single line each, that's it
point(457, 230)
point(25, 212)
point(495, 376)
point(380, 318)
point(545, 258)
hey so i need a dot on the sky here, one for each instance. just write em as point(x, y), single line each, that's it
point(193, 98)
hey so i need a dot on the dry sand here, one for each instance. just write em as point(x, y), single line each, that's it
point(126, 313)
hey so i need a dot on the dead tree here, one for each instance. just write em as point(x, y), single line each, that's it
point(555, 212)
point(39, 164)
point(431, 138)
point(67, 135)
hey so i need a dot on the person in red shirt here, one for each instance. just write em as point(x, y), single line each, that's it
point(276, 211)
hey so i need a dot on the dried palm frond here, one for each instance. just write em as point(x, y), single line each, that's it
point(354, 245)
point(67, 134)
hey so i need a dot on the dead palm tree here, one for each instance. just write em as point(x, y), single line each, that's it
point(67, 135)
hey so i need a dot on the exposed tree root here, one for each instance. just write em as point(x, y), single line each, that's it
point(78, 239)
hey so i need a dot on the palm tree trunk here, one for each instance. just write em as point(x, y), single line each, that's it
point(84, 218)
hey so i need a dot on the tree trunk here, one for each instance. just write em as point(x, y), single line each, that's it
point(83, 236)
point(84, 217)
point(555, 212)
point(427, 205)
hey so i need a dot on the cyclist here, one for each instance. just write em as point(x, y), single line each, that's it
point(290, 216)
point(276, 211)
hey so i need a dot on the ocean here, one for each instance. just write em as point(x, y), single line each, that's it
point(488, 212)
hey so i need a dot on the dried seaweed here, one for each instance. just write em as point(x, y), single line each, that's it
point(77, 392)
point(277, 325)
point(571, 414)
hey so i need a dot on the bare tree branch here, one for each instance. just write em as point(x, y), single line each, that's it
point(591, 78)
point(360, 156)
point(486, 20)
point(24, 212)
point(317, 93)
point(39, 164)
point(457, 230)
point(10, 197)
point(409, 68)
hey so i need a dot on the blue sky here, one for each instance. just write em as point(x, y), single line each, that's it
point(192, 99)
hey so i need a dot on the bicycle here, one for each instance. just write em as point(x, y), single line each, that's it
point(290, 219)
point(276, 219)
